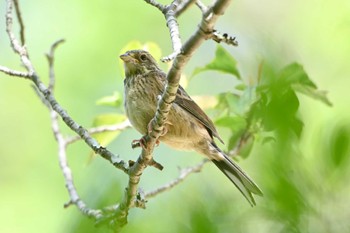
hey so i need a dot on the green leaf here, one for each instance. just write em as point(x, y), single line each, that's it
point(246, 100)
point(108, 119)
point(241, 87)
point(295, 76)
point(313, 93)
point(234, 123)
point(114, 100)
point(237, 126)
point(227, 102)
point(338, 144)
point(247, 147)
point(222, 62)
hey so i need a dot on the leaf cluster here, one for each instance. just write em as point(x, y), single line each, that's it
point(264, 109)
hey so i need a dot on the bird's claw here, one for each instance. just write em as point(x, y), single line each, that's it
point(163, 131)
point(138, 143)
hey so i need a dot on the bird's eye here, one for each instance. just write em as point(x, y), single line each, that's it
point(143, 57)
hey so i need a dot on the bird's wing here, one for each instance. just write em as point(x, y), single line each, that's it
point(184, 100)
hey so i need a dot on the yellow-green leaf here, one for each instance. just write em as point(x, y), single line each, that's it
point(223, 62)
point(114, 100)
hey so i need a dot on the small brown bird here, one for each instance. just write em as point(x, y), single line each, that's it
point(187, 126)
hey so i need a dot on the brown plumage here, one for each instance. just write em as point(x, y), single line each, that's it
point(187, 127)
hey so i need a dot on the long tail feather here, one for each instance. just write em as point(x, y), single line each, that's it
point(239, 178)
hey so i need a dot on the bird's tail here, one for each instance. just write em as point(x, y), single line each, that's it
point(239, 178)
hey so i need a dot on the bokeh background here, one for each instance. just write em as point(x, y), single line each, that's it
point(307, 191)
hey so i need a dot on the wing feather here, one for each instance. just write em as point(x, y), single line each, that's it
point(184, 100)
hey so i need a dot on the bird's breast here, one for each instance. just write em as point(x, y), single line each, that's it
point(139, 102)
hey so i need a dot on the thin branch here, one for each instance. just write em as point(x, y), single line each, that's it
point(171, 21)
point(14, 72)
point(225, 38)
point(17, 48)
point(155, 4)
point(82, 132)
point(106, 128)
point(20, 21)
point(215, 35)
point(62, 146)
point(184, 173)
point(50, 59)
point(169, 12)
point(67, 172)
point(184, 5)
point(201, 6)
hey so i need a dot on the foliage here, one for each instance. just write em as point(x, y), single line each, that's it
point(266, 108)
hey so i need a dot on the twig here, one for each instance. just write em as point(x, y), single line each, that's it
point(14, 72)
point(171, 22)
point(20, 21)
point(215, 35)
point(17, 48)
point(201, 6)
point(67, 172)
point(156, 4)
point(169, 12)
point(62, 146)
point(184, 173)
point(225, 38)
point(106, 128)
point(82, 132)
point(50, 58)
point(184, 5)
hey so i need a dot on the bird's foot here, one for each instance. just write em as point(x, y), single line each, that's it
point(142, 143)
point(163, 131)
point(139, 143)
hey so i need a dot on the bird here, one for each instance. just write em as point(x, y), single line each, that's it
point(187, 126)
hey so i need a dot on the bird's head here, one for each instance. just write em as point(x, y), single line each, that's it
point(138, 62)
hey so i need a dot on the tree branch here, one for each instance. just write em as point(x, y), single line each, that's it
point(225, 38)
point(20, 21)
point(181, 55)
point(201, 6)
point(46, 93)
point(156, 4)
point(50, 58)
point(184, 173)
point(183, 6)
point(62, 148)
point(165, 102)
point(169, 12)
point(105, 128)
point(14, 72)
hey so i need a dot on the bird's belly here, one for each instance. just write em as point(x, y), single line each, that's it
point(184, 132)
point(139, 115)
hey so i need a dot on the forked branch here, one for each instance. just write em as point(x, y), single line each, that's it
point(182, 53)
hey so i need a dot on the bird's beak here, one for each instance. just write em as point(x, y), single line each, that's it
point(127, 58)
point(124, 57)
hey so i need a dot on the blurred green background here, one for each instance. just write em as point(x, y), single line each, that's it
point(305, 183)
